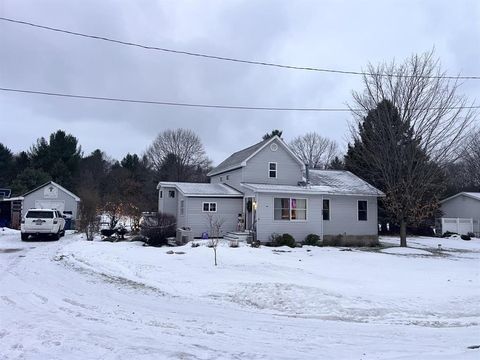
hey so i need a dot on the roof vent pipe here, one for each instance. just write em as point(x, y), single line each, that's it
point(307, 173)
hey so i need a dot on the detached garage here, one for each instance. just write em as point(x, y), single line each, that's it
point(53, 196)
point(461, 213)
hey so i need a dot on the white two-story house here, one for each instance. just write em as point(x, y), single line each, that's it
point(267, 189)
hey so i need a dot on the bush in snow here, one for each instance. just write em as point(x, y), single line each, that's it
point(158, 227)
point(281, 240)
point(465, 237)
point(312, 239)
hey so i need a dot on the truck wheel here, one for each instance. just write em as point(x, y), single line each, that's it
point(56, 236)
point(24, 237)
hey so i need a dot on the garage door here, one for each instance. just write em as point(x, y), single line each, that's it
point(50, 204)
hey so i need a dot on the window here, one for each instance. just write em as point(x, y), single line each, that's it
point(161, 194)
point(289, 209)
point(326, 209)
point(182, 207)
point(171, 193)
point(228, 177)
point(362, 210)
point(209, 207)
point(272, 169)
point(221, 178)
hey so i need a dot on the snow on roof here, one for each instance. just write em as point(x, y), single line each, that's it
point(342, 182)
point(323, 182)
point(473, 195)
point(58, 186)
point(202, 189)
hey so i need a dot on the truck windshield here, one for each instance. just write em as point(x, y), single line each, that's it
point(39, 215)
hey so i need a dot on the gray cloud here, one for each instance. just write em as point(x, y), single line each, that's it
point(323, 34)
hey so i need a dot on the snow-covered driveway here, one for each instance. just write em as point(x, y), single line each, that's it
point(74, 299)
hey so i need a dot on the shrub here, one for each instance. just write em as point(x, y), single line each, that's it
point(471, 234)
point(281, 240)
point(465, 237)
point(287, 240)
point(312, 239)
point(158, 227)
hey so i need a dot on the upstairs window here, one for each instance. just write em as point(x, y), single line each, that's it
point(326, 209)
point(362, 210)
point(228, 177)
point(272, 169)
point(209, 207)
point(171, 193)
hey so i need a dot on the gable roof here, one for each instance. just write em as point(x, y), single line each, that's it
point(473, 195)
point(202, 189)
point(56, 185)
point(240, 158)
point(323, 182)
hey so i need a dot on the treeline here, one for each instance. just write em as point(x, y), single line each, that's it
point(124, 187)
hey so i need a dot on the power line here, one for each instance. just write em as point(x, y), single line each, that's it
point(197, 105)
point(223, 58)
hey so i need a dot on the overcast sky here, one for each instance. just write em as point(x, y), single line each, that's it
point(328, 34)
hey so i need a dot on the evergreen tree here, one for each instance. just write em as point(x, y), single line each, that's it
point(7, 166)
point(386, 154)
point(59, 157)
point(272, 134)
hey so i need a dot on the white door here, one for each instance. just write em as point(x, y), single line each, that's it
point(50, 204)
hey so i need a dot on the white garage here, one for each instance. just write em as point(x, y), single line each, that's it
point(52, 196)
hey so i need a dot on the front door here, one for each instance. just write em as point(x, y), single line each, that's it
point(249, 213)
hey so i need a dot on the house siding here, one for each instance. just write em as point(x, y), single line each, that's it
point(69, 202)
point(166, 204)
point(344, 216)
point(227, 208)
point(235, 178)
point(461, 207)
point(266, 225)
point(289, 171)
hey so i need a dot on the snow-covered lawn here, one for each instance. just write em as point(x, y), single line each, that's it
point(81, 300)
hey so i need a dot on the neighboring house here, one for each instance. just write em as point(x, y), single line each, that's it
point(461, 213)
point(53, 196)
point(266, 188)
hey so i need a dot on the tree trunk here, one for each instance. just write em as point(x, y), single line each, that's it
point(215, 252)
point(403, 233)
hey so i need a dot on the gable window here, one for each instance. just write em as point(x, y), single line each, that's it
point(209, 207)
point(182, 207)
point(362, 210)
point(272, 169)
point(289, 209)
point(326, 209)
point(171, 193)
point(161, 194)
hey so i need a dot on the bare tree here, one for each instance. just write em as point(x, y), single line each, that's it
point(215, 224)
point(182, 149)
point(406, 161)
point(470, 156)
point(314, 150)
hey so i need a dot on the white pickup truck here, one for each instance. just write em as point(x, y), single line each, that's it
point(43, 222)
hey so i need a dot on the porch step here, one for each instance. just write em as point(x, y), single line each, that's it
point(237, 236)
